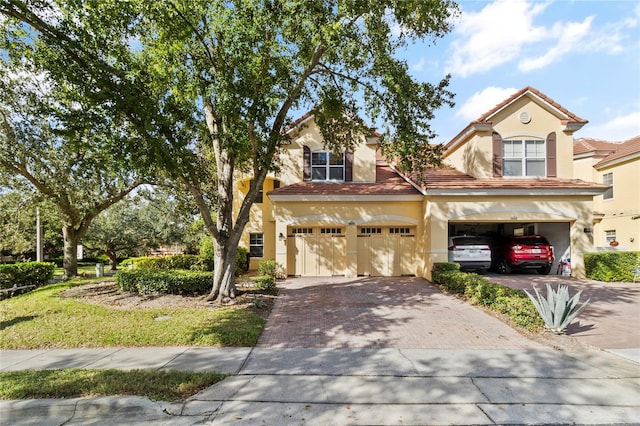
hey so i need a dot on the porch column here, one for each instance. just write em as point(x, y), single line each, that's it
point(281, 244)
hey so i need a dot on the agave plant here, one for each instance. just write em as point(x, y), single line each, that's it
point(557, 310)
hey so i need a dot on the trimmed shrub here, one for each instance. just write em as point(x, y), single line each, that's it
point(611, 266)
point(242, 261)
point(264, 282)
point(184, 282)
point(164, 263)
point(26, 273)
point(478, 290)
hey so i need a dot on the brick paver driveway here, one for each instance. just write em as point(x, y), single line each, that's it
point(404, 312)
point(612, 319)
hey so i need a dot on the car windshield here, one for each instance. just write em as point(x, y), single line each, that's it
point(532, 241)
point(469, 241)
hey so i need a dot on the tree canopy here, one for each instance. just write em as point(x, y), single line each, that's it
point(211, 85)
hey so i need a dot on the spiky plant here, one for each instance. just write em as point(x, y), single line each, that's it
point(558, 309)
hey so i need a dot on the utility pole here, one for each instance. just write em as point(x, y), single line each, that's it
point(38, 236)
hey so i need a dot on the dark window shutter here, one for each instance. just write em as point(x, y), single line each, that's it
point(306, 166)
point(552, 169)
point(497, 155)
point(348, 166)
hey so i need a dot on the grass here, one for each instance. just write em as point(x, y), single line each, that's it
point(73, 383)
point(88, 269)
point(44, 319)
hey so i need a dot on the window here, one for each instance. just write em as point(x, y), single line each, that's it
point(399, 230)
point(302, 231)
point(609, 236)
point(327, 166)
point(607, 179)
point(331, 230)
point(370, 231)
point(256, 245)
point(523, 158)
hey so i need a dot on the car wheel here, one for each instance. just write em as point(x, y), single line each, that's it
point(504, 267)
point(544, 270)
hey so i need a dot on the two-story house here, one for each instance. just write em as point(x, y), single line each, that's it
point(508, 172)
point(617, 211)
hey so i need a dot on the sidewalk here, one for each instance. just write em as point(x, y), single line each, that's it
point(366, 351)
point(334, 386)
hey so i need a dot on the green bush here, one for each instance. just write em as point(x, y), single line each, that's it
point(478, 290)
point(611, 266)
point(26, 273)
point(184, 282)
point(165, 263)
point(265, 282)
point(268, 267)
point(242, 261)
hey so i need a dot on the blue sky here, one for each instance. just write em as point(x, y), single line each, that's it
point(583, 54)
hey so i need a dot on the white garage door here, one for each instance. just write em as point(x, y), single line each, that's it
point(318, 251)
point(386, 251)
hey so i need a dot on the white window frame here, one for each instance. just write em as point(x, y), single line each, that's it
point(256, 243)
point(610, 236)
point(525, 160)
point(326, 167)
point(607, 179)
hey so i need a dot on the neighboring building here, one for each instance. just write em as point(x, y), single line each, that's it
point(617, 211)
point(508, 172)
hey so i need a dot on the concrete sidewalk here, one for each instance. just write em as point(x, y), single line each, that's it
point(321, 386)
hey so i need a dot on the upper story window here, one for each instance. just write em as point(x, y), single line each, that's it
point(327, 166)
point(526, 157)
point(607, 179)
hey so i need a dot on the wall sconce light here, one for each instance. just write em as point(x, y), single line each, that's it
point(587, 230)
point(281, 237)
point(631, 239)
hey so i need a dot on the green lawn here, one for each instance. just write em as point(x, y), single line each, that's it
point(74, 383)
point(44, 319)
point(88, 269)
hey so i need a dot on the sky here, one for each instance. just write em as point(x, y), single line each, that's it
point(583, 54)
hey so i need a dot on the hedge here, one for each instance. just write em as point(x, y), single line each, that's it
point(165, 263)
point(26, 273)
point(478, 290)
point(611, 266)
point(143, 281)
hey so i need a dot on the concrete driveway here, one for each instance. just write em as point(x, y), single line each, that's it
point(611, 321)
point(399, 312)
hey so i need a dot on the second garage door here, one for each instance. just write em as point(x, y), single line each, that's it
point(386, 251)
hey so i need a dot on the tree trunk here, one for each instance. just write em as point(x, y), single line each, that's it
point(70, 252)
point(224, 275)
point(113, 259)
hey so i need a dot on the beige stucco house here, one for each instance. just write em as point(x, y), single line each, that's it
point(617, 211)
point(509, 171)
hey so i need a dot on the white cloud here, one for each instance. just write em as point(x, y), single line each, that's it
point(506, 31)
point(619, 128)
point(494, 36)
point(568, 35)
point(419, 66)
point(483, 101)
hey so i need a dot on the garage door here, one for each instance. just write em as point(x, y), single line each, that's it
point(317, 251)
point(386, 251)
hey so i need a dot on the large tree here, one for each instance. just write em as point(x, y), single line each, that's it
point(53, 145)
point(237, 70)
point(137, 224)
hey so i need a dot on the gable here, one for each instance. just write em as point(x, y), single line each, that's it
point(529, 118)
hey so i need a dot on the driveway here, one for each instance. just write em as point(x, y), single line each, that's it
point(399, 312)
point(610, 321)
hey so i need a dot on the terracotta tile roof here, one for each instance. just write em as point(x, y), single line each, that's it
point(630, 147)
point(486, 117)
point(571, 116)
point(388, 182)
point(449, 178)
point(584, 145)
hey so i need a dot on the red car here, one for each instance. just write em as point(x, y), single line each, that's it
point(521, 253)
